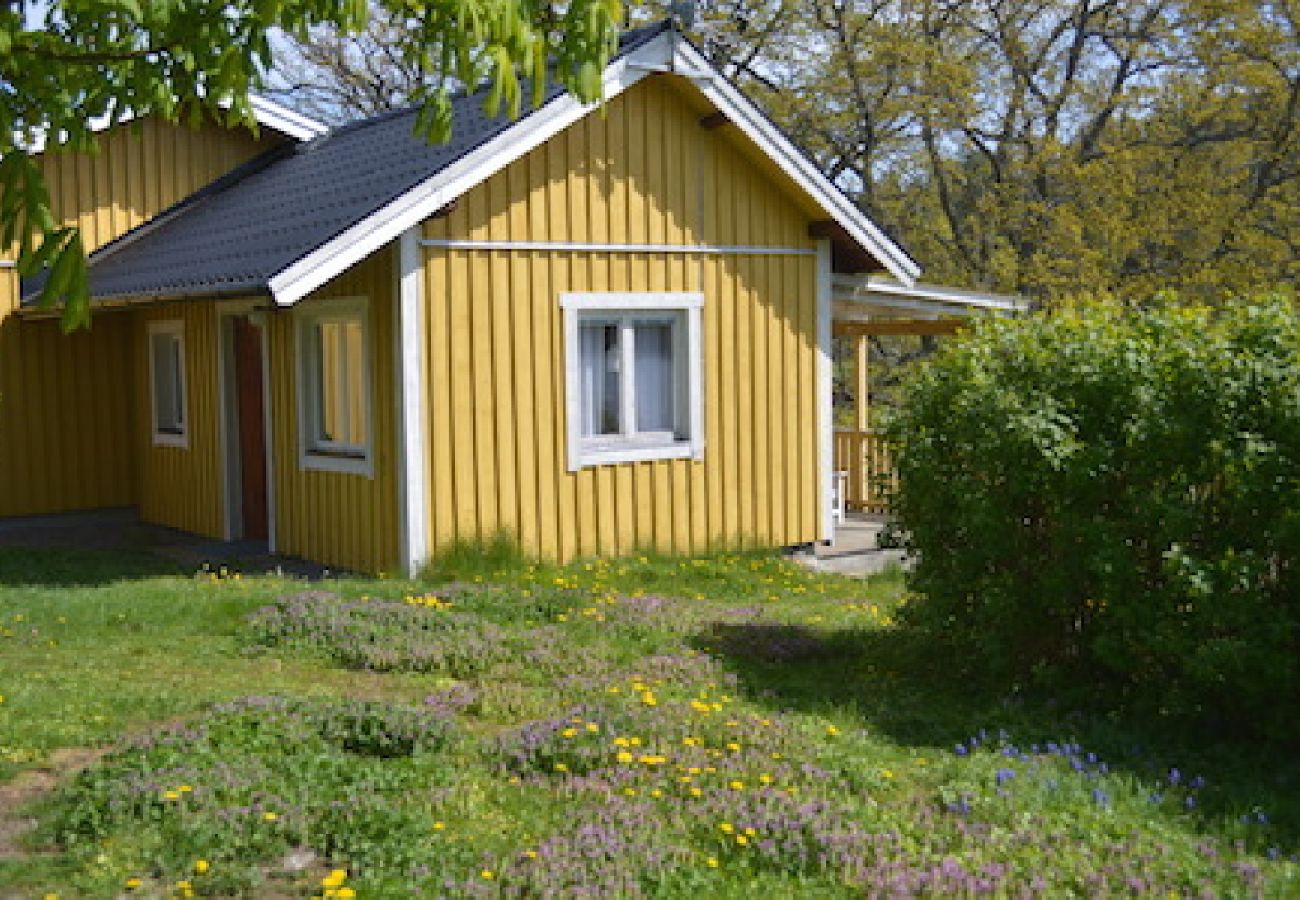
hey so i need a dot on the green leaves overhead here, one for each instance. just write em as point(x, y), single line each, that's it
point(68, 65)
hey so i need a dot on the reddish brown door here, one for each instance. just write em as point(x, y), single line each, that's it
point(252, 427)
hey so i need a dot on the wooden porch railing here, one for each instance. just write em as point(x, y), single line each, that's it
point(864, 456)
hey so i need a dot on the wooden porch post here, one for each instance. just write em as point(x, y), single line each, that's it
point(862, 380)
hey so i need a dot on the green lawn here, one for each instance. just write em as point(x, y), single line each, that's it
point(718, 727)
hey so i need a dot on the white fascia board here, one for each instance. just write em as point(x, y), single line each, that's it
point(267, 113)
point(410, 209)
point(288, 122)
point(758, 128)
point(875, 289)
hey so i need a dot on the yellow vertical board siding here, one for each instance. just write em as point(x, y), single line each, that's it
point(181, 487)
point(68, 438)
point(341, 519)
point(642, 170)
point(65, 412)
point(139, 170)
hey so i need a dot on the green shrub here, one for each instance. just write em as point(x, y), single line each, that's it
point(1114, 493)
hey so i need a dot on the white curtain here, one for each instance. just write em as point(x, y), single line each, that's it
point(653, 345)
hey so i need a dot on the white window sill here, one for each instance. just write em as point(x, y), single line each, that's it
point(168, 439)
point(337, 462)
point(615, 452)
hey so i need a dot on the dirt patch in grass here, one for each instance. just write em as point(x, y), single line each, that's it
point(32, 785)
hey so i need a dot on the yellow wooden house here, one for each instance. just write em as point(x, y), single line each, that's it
point(594, 329)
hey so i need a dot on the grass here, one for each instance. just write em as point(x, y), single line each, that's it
point(655, 726)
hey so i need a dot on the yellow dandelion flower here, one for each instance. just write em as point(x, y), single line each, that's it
point(487, 875)
point(439, 826)
point(634, 742)
point(742, 840)
point(270, 816)
point(345, 893)
point(622, 742)
point(726, 828)
point(569, 732)
point(201, 866)
point(531, 854)
point(171, 795)
point(561, 767)
point(334, 878)
point(624, 756)
point(712, 862)
point(185, 789)
point(751, 832)
point(592, 727)
point(832, 730)
point(132, 883)
point(631, 792)
point(736, 785)
point(733, 747)
point(696, 792)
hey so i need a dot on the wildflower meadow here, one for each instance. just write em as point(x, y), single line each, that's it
point(721, 727)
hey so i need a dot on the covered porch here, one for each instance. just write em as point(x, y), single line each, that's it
point(869, 306)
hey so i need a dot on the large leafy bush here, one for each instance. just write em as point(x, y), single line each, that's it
point(1114, 493)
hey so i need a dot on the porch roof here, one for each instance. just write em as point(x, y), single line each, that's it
point(859, 300)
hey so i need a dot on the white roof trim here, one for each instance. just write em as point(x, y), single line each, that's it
point(759, 128)
point(886, 293)
point(384, 225)
point(288, 122)
point(666, 52)
point(268, 114)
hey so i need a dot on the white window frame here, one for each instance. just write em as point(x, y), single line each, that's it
point(684, 307)
point(174, 328)
point(331, 456)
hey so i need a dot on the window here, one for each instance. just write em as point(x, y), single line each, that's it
point(334, 386)
point(167, 382)
point(634, 382)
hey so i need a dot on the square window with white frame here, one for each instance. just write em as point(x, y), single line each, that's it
point(334, 386)
point(167, 382)
point(634, 377)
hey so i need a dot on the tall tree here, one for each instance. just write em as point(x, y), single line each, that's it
point(68, 63)
point(1046, 146)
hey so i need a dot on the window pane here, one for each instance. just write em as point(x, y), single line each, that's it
point(165, 350)
point(600, 403)
point(340, 375)
point(355, 383)
point(653, 347)
point(329, 375)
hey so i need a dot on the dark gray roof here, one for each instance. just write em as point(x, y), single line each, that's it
point(233, 236)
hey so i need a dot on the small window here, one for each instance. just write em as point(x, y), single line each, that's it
point(634, 379)
point(334, 386)
point(167, 382)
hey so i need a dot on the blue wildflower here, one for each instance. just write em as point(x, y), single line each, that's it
point(1190, 802)
point(1175, 776)
point(960, 750)
point(1005, 775)
point(1156, 798)
point(1099, 797)
point(1198, 782)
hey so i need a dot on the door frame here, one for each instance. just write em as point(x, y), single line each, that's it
point(228, 412)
